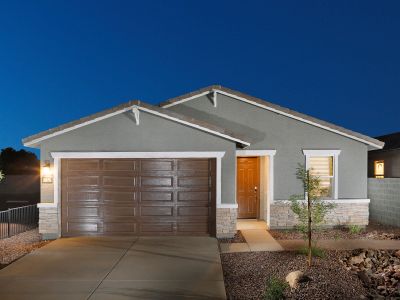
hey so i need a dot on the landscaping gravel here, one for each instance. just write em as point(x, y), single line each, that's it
point(245, 275)
point(238, 238)
point(379, 270)
point(373, 231)
point(16, 246)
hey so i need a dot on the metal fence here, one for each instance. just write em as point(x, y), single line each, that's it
point(17, 220)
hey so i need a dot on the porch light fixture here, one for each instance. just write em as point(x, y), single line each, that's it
point(47, 173)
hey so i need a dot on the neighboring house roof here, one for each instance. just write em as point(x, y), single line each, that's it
point(277, 109)
point(35, 139)
point(392, 141)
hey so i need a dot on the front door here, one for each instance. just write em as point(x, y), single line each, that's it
point(248, 186)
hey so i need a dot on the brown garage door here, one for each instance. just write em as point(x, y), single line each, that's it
point(138, 196)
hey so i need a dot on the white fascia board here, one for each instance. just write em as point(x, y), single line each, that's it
point(187, 99)
point(134, 108)
point(184, 154)
point(300, 119)
point(45, 137)
point(193, 125)
point(278, 112)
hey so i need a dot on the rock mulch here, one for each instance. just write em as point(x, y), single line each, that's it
point(238, 238)
point(379, 270)
point(16, 246)
point(373, 231)
point(246, 274)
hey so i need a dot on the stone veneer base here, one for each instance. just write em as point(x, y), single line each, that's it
point(226, 222)
point(48, 223)
point(282, 217)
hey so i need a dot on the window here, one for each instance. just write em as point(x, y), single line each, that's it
point(379, 169)
point(324, 164)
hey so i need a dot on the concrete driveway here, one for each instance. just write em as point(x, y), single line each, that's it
point(117, 268)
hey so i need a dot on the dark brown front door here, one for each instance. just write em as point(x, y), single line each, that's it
point(138, 197)
point(248, 186)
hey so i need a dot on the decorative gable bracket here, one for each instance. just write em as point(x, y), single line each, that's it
point(135, 111)
point(214, 98)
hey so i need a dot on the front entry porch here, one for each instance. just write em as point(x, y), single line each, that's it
point(254, 184)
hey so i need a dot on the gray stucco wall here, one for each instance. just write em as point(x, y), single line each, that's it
point(385, 200)
point(154, 134)
point(289, 137)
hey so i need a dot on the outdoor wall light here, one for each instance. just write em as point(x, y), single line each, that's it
point(47, 173)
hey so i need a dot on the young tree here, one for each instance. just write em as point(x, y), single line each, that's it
point(311, 212)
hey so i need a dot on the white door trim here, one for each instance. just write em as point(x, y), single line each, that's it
point(270, 154)
point(57, 156)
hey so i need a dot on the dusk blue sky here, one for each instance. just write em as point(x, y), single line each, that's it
point(62, 60)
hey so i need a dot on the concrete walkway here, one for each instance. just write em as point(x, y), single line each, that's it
point(259, 239)
point(117, 268)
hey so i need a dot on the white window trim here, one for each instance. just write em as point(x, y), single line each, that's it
point(270, 154)
point(57, 156)
point(327, 153)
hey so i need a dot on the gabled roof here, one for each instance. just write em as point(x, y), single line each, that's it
point(35, 139)
point(392, 141)
point(277, 109)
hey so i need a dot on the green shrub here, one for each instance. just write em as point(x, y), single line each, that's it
point(275, 289)
point(354, 229)
point(315, 251)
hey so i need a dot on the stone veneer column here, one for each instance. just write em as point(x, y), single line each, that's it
point(226, 222)
point(48, 222)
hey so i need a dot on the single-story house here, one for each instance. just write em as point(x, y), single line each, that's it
point(385, 162)
point(193, 165)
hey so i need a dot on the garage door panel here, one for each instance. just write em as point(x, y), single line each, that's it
point(159, 211)
point(156, 165)
point(193, 182)
point(82, 211)
point(119, 181)
point(83, 165)
point(156, 181)
point(118, 196)
point(138, 197)
point(119, 211)
point(193, 211)
point(120, 227)
point(157, 196)
point(193, 196)
point(195, 164)
point(87, 196)
point(83, 181)
point(83, 227)
point(119, 165)
point(157, 228)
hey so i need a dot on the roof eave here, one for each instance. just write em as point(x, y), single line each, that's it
point(277, 109)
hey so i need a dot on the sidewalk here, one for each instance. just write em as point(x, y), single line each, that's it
point(259, 239)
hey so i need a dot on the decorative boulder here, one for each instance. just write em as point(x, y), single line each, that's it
point(293, 278)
